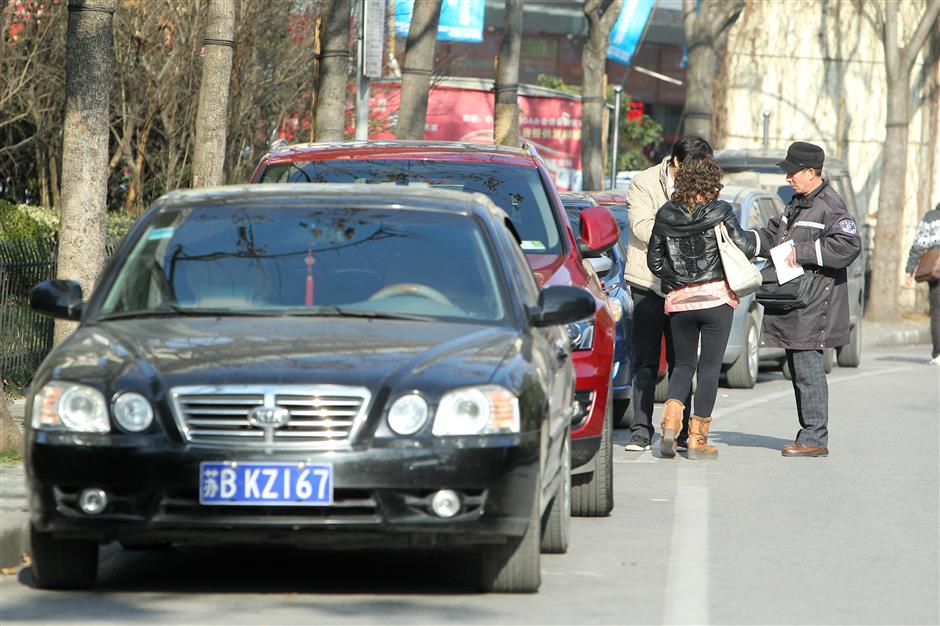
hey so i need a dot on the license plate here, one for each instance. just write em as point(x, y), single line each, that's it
point(271, 484)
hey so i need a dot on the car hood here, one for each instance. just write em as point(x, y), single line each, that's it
point(233, 351)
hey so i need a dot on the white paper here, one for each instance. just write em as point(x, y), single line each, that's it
point(785, 271)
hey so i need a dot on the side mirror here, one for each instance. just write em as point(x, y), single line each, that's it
point(601, 264)
point(598, 230)
point(562, 304)
point(61, 299)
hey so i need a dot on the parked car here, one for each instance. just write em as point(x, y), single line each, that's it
point(609, 267)
point(517, 181)
point(758, 168)
point(753, 207)
point(296, 364)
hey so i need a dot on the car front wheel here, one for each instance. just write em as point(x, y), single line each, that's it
point(592, 494)
point(743, 372)
point(557, 523)
point(63, 563)
point(514, 567)
point(850, 355)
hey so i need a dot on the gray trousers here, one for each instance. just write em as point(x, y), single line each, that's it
point(812, 396)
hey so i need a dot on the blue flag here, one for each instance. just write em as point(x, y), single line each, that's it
point(629, 27)
point(461, 20)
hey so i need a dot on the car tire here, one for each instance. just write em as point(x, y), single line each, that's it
point(850, 355)
point(556, 525)
point(63, 563)
point(514, 567)
point(829, 359)
point(743, 372)
point(785, 368)
point(623, 412)
point(662, 389)
point(592, 494)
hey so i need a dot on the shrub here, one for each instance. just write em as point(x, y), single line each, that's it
point(25, 221)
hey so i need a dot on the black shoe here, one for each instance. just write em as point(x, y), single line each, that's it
point(637, 443)
point(682, 443)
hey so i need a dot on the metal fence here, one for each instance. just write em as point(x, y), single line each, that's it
point(26, 336)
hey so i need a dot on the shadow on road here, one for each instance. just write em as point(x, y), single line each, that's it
point(747, 440)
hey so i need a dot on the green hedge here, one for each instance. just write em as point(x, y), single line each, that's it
point(24, 221)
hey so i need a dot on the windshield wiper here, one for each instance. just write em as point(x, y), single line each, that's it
point(335, 311)
point(173, 310)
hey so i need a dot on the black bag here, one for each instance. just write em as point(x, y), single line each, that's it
point(789, 296)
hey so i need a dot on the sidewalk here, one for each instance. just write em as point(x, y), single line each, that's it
point(14, 511)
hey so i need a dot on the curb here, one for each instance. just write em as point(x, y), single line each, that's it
point(905, 337)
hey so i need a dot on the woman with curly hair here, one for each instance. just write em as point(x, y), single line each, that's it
point(683, 253)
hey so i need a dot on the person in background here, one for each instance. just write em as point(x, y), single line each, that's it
point(649, 190)
point(927, 237)
point(683, 253)
point(825, 242)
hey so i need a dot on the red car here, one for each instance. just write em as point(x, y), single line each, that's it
point(517, 181)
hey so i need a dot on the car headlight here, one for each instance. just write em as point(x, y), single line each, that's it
point(408, 414)
point(485, 410)
point(71, 407)
point(581, 334)
point(132, 412)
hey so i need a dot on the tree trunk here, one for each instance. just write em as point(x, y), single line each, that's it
point(593, 98)
point(333, 73)
point(506, 125)
point(706, 24)
point(83, 222)
point(11, 439)
point(886, 264)
point(54, 181)
point(887, 255)
point(416, 75)
point(212, 114)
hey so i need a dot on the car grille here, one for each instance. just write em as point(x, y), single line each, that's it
point(321, 417)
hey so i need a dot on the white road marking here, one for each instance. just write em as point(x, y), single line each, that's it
point(749, 404)
point(686, 600)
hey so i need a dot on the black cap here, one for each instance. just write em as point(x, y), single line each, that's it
point(801, 155)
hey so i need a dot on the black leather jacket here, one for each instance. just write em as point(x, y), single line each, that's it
point(683, 249)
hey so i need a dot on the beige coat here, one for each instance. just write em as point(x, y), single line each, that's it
point(647, 193)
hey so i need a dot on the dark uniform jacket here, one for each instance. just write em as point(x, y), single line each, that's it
point(683, 249)
point(826, 239)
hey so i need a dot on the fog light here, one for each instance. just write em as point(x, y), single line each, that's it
point(445, 503)
point(93, 501)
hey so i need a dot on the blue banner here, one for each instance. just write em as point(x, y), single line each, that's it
point(461, 20)
point(629, 27)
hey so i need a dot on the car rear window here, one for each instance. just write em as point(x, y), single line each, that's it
point(517, 190)
point(295, 258)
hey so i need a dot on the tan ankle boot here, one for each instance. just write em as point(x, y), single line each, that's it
point(672, 425)
point(698, 439)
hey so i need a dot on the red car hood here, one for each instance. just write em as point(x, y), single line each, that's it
point(549, 269)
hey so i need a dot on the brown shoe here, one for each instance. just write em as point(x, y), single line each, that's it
point(698, 448)
point(672, 426)
point(799, 449)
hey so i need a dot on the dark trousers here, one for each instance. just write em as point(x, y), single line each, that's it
point(812, 396)
point(712, 327)
point(934, 297)
point(649, 325)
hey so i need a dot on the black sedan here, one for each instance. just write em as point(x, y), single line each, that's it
point(332, 366)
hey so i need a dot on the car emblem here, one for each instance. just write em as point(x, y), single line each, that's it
point(269, 419)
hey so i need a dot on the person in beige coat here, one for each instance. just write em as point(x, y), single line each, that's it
point(650, 190)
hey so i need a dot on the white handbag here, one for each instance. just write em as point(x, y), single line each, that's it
point(742, 276)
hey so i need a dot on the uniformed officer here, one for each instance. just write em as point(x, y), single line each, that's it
point(826, 241)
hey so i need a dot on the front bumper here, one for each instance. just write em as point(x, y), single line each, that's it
point(381, 494)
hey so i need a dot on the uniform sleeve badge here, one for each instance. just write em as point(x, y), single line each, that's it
point(848, 226)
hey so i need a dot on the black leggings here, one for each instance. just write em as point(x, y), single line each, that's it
point(713, 325)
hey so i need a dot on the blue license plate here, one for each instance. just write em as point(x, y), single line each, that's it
point(274, 484)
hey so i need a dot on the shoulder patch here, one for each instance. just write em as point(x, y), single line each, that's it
point(848, 226)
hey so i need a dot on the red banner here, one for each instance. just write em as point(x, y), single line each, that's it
point(551, 125)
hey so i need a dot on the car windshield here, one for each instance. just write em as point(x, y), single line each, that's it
point(768, 178)
point(517, 190)
point(297, 260)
